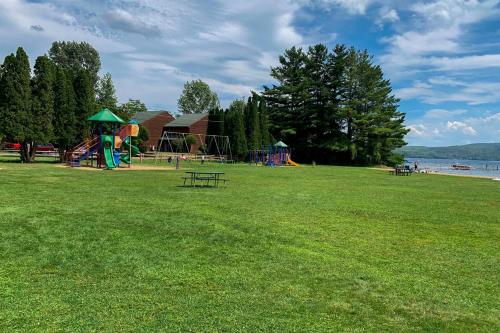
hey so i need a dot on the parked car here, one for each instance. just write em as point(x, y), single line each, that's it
point(45, 148)
point(11, 146)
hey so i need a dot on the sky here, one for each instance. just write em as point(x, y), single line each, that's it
point(442, 56)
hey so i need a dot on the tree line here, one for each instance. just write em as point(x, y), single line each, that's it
point(330, 106)
point(53, 104)
point(334, 106)
point(245, 123)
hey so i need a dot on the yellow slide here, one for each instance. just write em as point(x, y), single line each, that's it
point(292, 163)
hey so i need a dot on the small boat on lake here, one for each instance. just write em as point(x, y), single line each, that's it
point(461, 167)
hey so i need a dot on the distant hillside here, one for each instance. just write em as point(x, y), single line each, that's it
point(476, 151)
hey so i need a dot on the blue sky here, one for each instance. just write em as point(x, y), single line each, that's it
point(442, 57)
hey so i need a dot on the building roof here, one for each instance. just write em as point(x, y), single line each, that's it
point(106, 116)
point(280, 144)
point(145, 116)
point(187, 120)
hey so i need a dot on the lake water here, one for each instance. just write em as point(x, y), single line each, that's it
point(479, 168)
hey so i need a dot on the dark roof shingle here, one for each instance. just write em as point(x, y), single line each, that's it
point(187, 120)
point(145, 116)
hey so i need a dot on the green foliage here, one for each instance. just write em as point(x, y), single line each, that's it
point(264, 124)
point(12, 107)
point(334, 106)
point(106, 94)
point(252, 123)
point(197, 98)
point(42, 86)
point(190, 140)
point(85, 103)
point(234, 128)
point(129, 109)
point(65, 118)
point(216, 121)
point(140, 140)
point(76, 56)
point(395, 159)
point(15, 102)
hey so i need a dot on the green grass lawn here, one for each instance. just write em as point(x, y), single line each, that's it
point(280, 249)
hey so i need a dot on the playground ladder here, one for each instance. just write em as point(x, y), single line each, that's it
point(82, 151)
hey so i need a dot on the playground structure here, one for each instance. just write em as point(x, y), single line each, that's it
point(112, 135)
point(212, 147)
point(278, 154)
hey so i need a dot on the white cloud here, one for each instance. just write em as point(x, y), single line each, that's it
point(443, 114)
point(352, 6)
point(17, 17)
point(436, 32)
point(421, 130)
point(231, 44)
point(443, 127)
point(123, 20)
point(465, 62)
point(460, 126)
point(387, 15)
point(285, 33)
point(441, 90)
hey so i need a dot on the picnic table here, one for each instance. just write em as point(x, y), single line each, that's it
point(401, 170)
point(204, 178)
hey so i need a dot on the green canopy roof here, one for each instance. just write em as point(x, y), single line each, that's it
point(281, 144)
point(106, 116)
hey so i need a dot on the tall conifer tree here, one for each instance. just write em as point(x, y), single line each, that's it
point(85, 103)
point(264, 125)
point(65, 124)
point(15, 102)
point(43, 100)
point(235, 129)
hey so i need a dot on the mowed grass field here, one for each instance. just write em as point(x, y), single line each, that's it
point(321, 249)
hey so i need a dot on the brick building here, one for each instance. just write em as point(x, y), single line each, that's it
point(154, 122)
point(189, 123)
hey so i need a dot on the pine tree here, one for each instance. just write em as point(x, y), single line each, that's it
point(287, 99)
point(65, 124)
point(43, 100)
point(334, 106)
point(85, 103)
point(235, 129)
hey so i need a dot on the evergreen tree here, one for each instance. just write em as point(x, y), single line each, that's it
point(216, 122)
point(65, 123)
point(264, 125)
point(287, 99)
point(28, 148)
point(334, 106)
point(85, 103)
point(254, 138)
point(235, 129)
point(42, 92)
point(15, 102)
point(12, 108)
